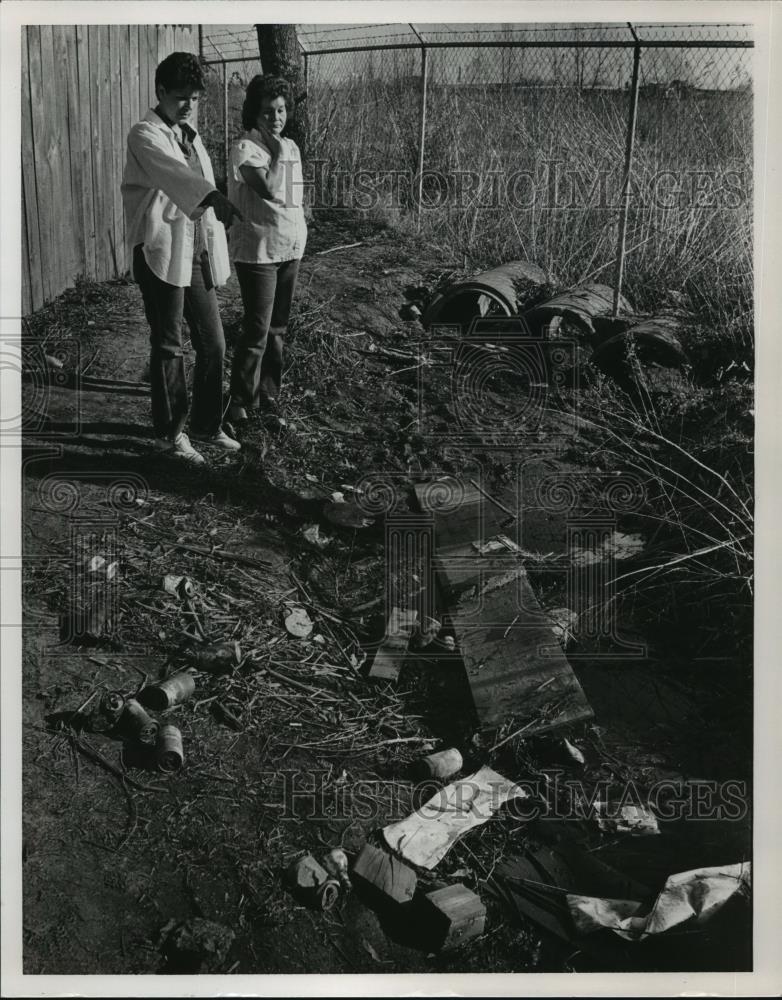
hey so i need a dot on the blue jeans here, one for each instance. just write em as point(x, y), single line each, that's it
point(165, 305)
point(267, 294)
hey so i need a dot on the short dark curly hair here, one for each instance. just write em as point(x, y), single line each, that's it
point(259, 88)
point(180, 70)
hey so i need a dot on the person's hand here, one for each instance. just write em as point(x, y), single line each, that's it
point(268, 136)
point(224, 209)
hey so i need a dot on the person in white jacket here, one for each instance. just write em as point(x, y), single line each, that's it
point(175, 219)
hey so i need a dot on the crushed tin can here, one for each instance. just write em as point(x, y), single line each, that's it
point(168, 749)
point(137, 724)
point(174, 690)
point(312, 882)
point(337, 865)
point(178, 586)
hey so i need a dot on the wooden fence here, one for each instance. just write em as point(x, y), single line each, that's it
point(83, 87)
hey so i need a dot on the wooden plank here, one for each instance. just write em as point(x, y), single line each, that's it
point(66, 220)
point(84, 149)
point(70, 65)
point(117, 42)
point(41, 137)
point(130, 85)
point(26, 301)
point(32, 268)
point(102, 164)
point(170, 44)
point(51, 148)
point(129, 88)
point(145, 72)
point(152, 61)
point(514, 664)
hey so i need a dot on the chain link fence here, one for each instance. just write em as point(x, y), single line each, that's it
point(509, 142)
point(613, 153)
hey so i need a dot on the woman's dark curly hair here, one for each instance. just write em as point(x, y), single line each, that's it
point(259, 88)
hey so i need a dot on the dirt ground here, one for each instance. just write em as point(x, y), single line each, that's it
point(108, 865)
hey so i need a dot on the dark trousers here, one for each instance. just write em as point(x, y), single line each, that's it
point(267, 294)
point(165, 305)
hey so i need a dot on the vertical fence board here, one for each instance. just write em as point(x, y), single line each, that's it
point(130, 86)
point(31, 263)
point(150, 44)
point(27, 298)
point(65, 85)
point(42, 164)
point(101, 152)
point(75, 111)
point(84, 148)
point(143, 71)
point(117, 141)
point(55, 249)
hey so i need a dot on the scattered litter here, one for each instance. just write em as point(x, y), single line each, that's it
point(311, 881)
point(371, 952)
point(137, 724)
point(337, 865)
point(564, 623)
point(298, 623)
point(179, 586)
point(220, 658)
point(425, 632)
point(443, 765)
point(313, 536)
point(385, 873)
point(634, 819)
point(392, 651)
point(53, 362)
point(690, 898)
point(498, 543)
point(457, 913)
point(573, 752)
point(617, 546)
point(169, 752)
point(173, 691)
point(426, 836)
point(338, 497)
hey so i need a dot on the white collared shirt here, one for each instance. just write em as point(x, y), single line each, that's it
point(161, 195)
point(271, 230)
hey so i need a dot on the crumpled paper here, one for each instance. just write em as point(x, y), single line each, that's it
point(689, 897)
point(426, 836)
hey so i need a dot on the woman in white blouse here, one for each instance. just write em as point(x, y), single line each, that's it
point(265, 183)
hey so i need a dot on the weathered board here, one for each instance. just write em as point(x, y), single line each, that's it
point(514, 664)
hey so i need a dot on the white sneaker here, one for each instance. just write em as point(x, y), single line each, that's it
point(219, 440)
point(180, 447)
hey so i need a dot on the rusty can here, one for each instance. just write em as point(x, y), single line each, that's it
point(137, 724)
point(172, 691)
point(310, 880)
point(220, 658)
point(169, 751)
point(442, 765)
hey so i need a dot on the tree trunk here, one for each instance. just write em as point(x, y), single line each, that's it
point(280, 55)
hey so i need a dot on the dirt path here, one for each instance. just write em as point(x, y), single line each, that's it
point(106, 865)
